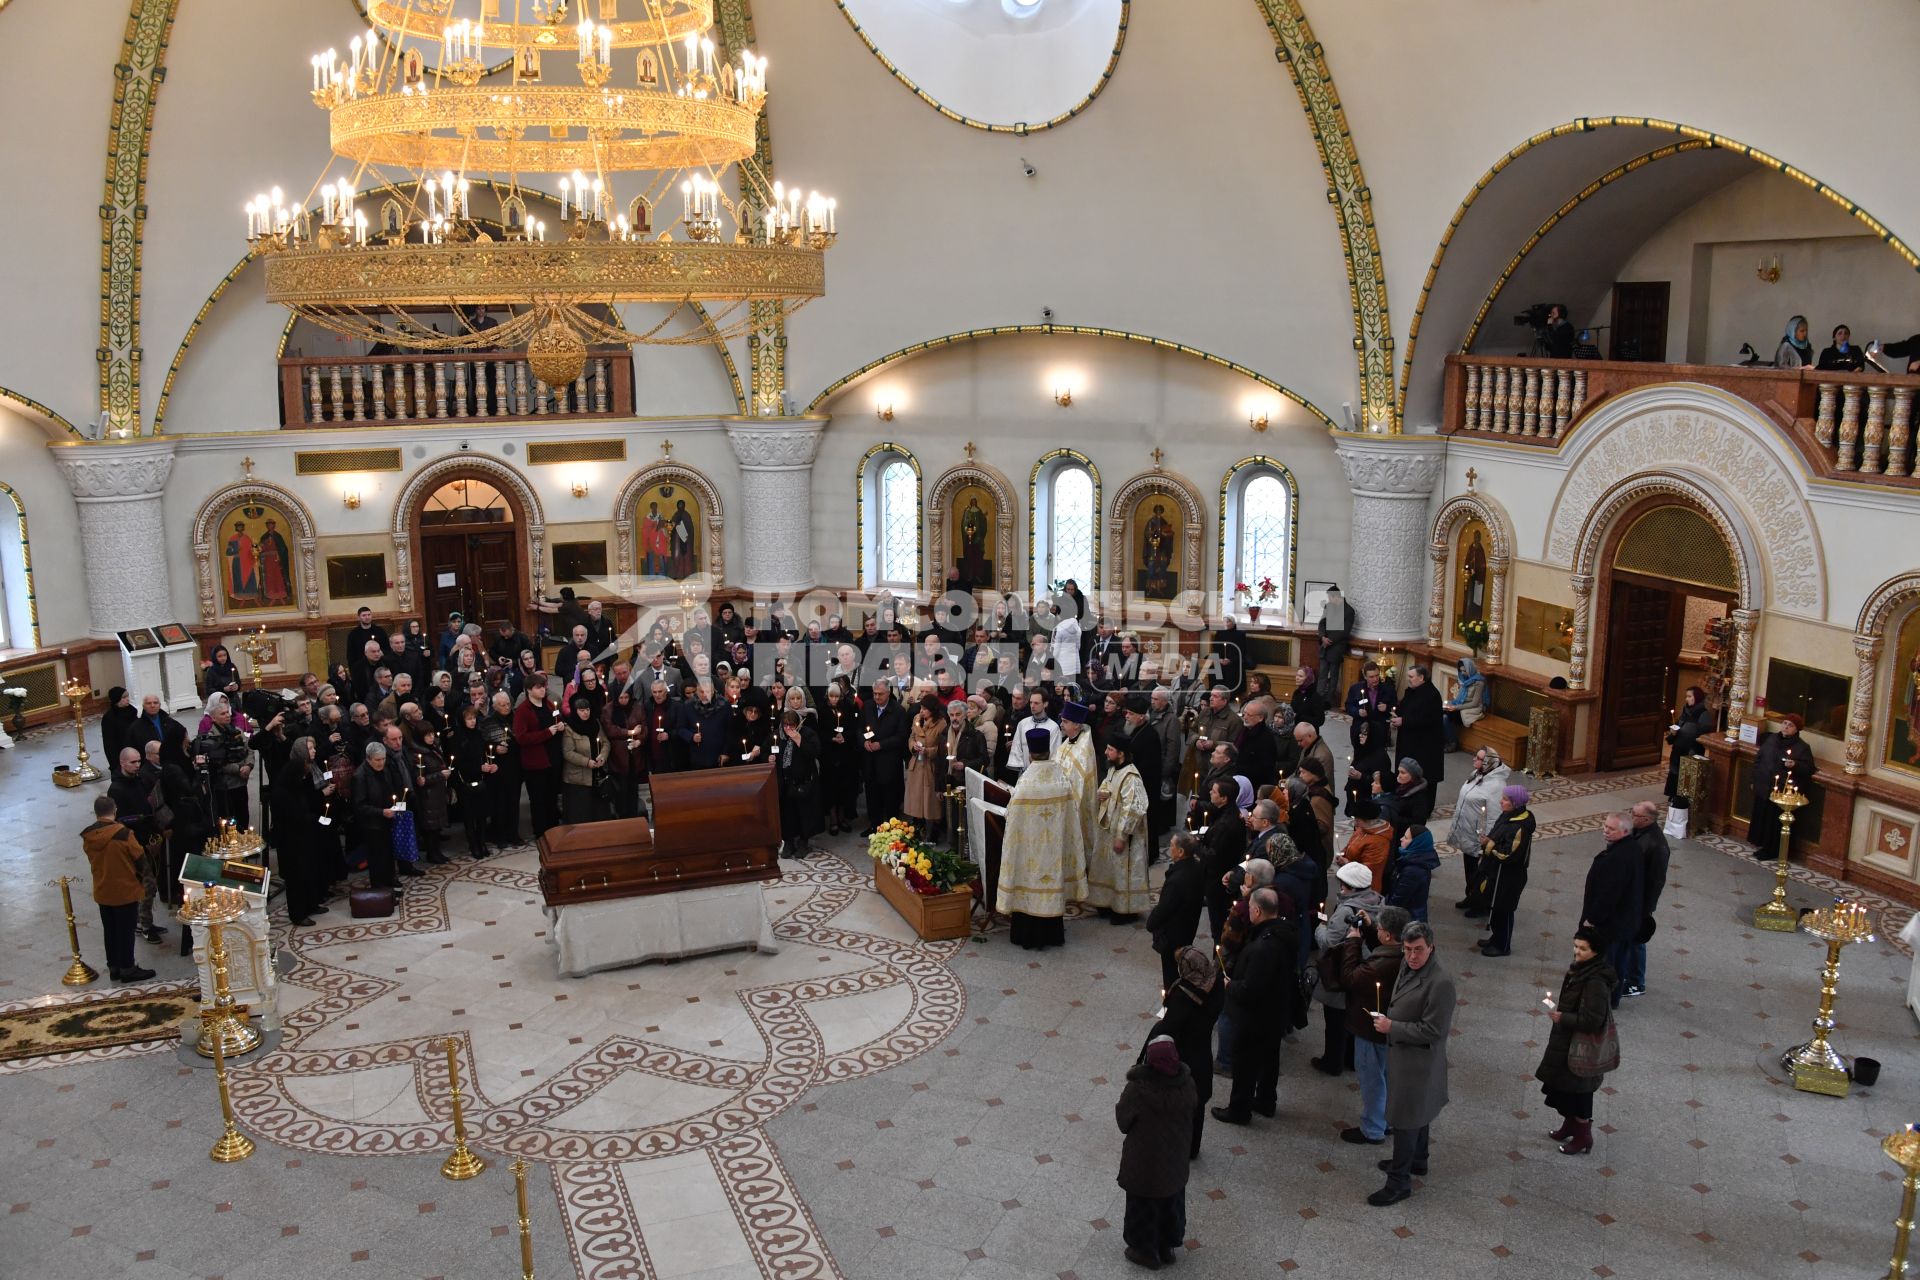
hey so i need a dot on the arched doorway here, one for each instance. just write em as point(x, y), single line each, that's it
point(469, 539)
point(1668, 584)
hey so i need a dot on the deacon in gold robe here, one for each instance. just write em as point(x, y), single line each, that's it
point(1117, 864)
point(1042, 862)
point(1082, 767)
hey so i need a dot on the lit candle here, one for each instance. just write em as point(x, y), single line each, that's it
point(693, 52)
point(594, 212)
point(832, 204)
point(706, 56)
point(1376, 997)
point(606, 45)
point(566, 191)
point(586, 35)
point(465, 208)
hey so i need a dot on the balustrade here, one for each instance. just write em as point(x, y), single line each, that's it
point(1847, 425)
point(349, 391)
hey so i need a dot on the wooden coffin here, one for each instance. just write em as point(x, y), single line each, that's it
point(710, 827)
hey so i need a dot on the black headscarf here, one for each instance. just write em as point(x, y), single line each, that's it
point(588, 728)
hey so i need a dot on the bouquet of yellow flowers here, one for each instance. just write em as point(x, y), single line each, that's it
point(925, 868)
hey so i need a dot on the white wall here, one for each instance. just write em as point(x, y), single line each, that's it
point(53, 527)
point(1128, 399)
point(1829, 271)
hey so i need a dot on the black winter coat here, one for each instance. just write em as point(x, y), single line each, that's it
point(1264, 987)
point(1189, 1021)
point(1586, 1002)
point(1503, 872)
point(1156, 1113)
point(1259, 758)
point(1423, 733)
point(1613, 901)
point(1175, 918)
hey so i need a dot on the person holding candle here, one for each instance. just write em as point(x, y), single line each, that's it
point(1365, 963)
point(1783, 757)
point(883, 735)
point(1416, 1022)
point(1261, 990)
point(1584, 1006)
point(1613, 904)
point(1358, 903)
point(1505, 852)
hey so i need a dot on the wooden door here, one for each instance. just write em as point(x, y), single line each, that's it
point(474, 572)
point(1640, 320)
point(1643, 642)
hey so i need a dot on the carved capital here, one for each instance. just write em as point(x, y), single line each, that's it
point(764, 447)
point(1392, 466)
point(116, 472)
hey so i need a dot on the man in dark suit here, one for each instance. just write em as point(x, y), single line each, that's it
point(1655, 853)
point(1147, 758)
point(364, 630)
point(1615, 897)
point(155, 725)
point(507, 643)
point(1260, 995)
point(883, 733)
point(1224, 832)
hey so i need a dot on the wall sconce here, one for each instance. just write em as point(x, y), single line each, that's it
point(1768, 271)
point(350, 499)
point(579, 488)
point(1063, 396)
point(1258, 421)
point(884, 412)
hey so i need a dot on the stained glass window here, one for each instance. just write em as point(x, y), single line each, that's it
point(899, 523)
point(1070, 553)
point(1264, 527)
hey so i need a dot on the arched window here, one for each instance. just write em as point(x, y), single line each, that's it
point(1257, 526)
point(889, 516)
point(899, 523)
point(19, 627)
point(1070, 527)
point(1063, 531)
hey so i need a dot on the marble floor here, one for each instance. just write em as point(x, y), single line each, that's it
point(863, 1104)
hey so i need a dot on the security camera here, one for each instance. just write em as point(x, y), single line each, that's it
point(1026, 167)
point(1046, 314)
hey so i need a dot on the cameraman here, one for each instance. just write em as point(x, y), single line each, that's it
point(1557, 334)
point(1359, 903)
point(222, 756)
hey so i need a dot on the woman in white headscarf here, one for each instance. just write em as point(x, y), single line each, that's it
point(1474, 813)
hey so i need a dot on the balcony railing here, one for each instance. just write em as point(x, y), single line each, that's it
point(350, 391)
point(1848, 426)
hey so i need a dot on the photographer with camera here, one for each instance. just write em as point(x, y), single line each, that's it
point(1553, 335)
point(225, 762)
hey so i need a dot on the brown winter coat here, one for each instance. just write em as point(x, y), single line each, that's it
point(114, 853)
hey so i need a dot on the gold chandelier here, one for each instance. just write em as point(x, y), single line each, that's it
point(434, 139)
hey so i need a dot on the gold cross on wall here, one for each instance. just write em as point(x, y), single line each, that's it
point(969, 448)
point(1472, 475)
point(247, 465)
point(666, 450)
point(1157, 455)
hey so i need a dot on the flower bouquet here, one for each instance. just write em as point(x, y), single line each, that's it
point(1474, 632)
point(1258, 595)
point(925, 868)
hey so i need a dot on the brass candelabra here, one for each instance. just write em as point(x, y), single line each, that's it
point(79, 973)
point(1903, 1148)
point(230, 843)
point(1775, 914)
point(255, 646)
point(232, 1145)
point(76, 692)
point(526, 1224)
point(1816, 1066)
point(225, 1029)
point(461, 1163)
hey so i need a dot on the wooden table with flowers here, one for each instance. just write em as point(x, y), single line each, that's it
point(931, 887)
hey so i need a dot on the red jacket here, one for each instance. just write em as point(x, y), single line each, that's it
point(532, 733)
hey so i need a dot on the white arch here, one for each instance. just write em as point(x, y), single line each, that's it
point(1453, 513)
point(215, 508)
point(628, 500)
point(1192, 514)
point(951, 481)
point(1724, 444)
point(1869, 638)
point(431, 477)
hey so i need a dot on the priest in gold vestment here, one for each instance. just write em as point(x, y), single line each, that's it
point(1117, 861)
point(1082, 767)
point(1043, 862)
